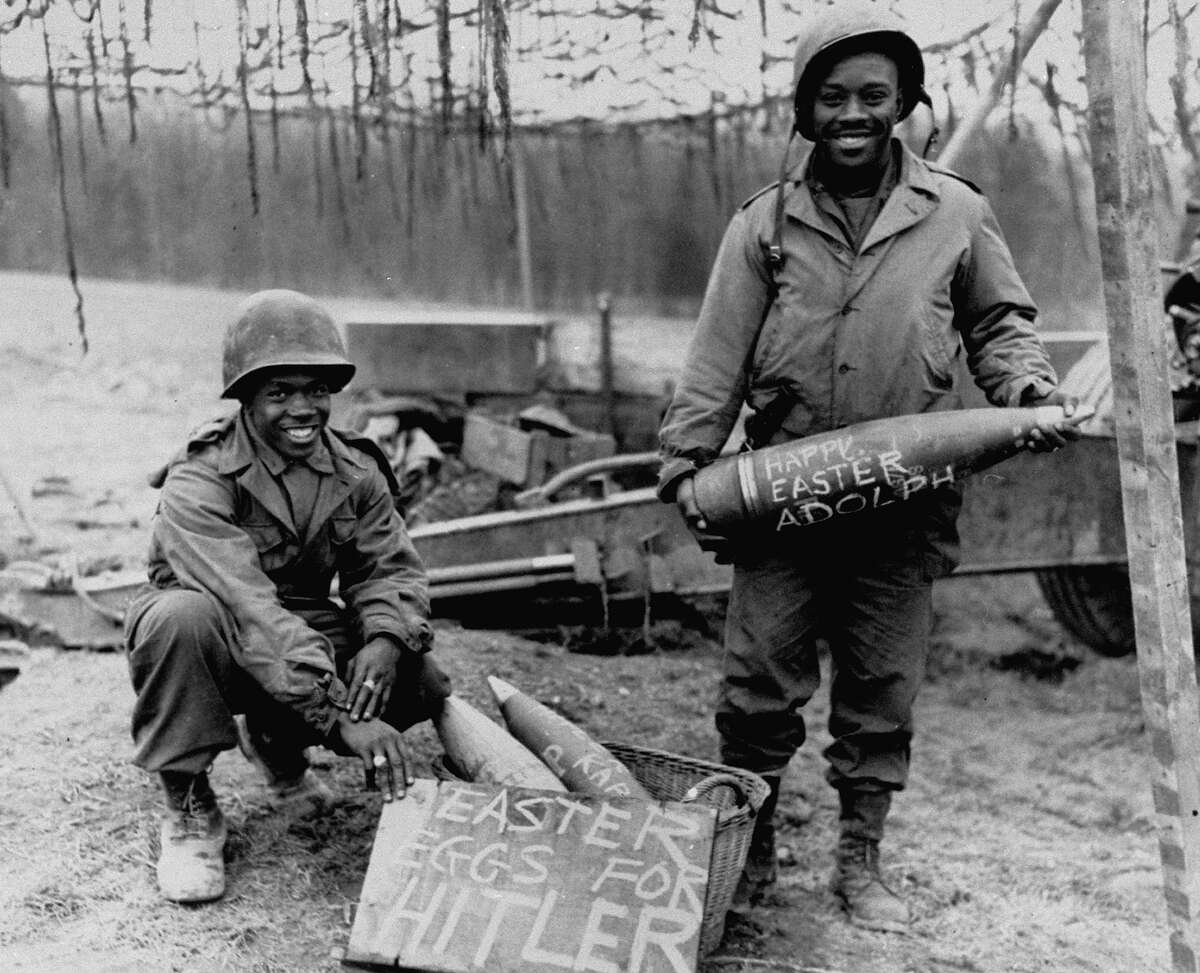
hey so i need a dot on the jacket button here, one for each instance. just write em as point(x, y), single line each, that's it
point(846, 310)
point(843, 368)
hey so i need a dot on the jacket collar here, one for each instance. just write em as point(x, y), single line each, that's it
point(245, 446)
point(242, 458)
point(914, 197)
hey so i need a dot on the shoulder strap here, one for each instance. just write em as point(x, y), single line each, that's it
point(953, 175)
point(371, 448)
point(203, 435)
point(761, 192)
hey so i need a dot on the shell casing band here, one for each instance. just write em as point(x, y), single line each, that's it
point(755, 507)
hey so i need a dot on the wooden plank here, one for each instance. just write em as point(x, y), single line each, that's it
point(1122, 173)
point(464, 877)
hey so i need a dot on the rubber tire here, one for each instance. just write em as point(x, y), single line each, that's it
point(1093, 603)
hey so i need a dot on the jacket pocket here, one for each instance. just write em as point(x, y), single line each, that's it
point(939, 349)
point(270, 541)
point(341, 529)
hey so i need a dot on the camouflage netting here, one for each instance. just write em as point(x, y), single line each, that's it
point(385, 68)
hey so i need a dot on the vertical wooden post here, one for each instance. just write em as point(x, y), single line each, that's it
point(1138, 343)
point(608, 389)
point(521, 202)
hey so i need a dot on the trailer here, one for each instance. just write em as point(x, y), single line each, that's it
point(579, 534)
point(1057, 515)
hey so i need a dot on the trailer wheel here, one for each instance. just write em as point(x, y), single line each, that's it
point(1093, 603)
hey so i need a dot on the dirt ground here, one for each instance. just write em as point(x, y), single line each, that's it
point(1026, 841)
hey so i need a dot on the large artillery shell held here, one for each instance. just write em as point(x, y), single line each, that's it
point(865, 466)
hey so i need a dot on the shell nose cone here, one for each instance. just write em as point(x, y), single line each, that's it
point(500, 689)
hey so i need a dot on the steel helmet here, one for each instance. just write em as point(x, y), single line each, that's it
point(281, 329)
point(848, 27)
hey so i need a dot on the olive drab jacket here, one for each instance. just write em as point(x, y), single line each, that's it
point(224, 527)
point(854, 336)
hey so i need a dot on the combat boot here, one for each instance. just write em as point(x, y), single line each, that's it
point(868, 900)
point(761, 869)
point(857, 880)
point(292, 787)
point(191, 864)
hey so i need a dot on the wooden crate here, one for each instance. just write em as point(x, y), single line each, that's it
point(526, 458)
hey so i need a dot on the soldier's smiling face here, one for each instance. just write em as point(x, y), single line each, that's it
point(854, 110)
point(289, 410)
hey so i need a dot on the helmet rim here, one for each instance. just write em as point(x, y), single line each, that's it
point(281, 329)
point(339, 374)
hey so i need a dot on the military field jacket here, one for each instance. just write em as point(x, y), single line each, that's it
point(854, 336)
point(224, 527)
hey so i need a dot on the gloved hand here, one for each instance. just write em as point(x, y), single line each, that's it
point(1047, 439)
point(717, 544)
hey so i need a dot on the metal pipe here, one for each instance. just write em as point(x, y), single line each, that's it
point(484, 586)
point(604, 464)
point(494, 569)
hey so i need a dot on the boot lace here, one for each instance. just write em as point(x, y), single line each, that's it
point(194, 816)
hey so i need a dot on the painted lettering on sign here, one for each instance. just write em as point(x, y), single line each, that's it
point(470, 876)
point(600, 769)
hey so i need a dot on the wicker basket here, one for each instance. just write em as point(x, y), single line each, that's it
point(736, 794)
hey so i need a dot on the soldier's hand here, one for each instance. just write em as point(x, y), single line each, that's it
point(1048, 438)
point(1185, 319)
point(371, 675)
point(382, 750)
point(685, 500)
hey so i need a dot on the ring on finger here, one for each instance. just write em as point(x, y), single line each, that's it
point(370, 684)
point(379, 760)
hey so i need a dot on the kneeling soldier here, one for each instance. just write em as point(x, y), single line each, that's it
point(236, 641)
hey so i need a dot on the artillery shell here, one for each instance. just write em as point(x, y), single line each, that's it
point(865, 466)
point(575, 758)
point(485, 751)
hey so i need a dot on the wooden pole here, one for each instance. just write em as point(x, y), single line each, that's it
point(524, 246)
point(1138, 343)
point(607, 381)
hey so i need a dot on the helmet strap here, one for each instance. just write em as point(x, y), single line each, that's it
point(775, 249)
point(934, 131)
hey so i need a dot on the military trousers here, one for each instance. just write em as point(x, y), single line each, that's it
point(865, 592)
point(189, 686)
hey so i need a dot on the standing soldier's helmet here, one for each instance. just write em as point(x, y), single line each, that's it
point(853, 27)
point(281, 329)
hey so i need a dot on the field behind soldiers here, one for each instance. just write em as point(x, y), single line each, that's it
point(1026, 841)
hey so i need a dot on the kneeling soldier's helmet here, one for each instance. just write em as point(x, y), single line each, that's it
point(281, 329)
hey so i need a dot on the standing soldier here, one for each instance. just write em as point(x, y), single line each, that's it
point(258, 515)
point(845, 292)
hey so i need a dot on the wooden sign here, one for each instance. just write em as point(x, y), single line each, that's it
point(468, 877)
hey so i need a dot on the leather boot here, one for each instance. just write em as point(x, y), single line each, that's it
point(857, 881)
point(191, 865)
point(760, 871)
point(292, 787)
